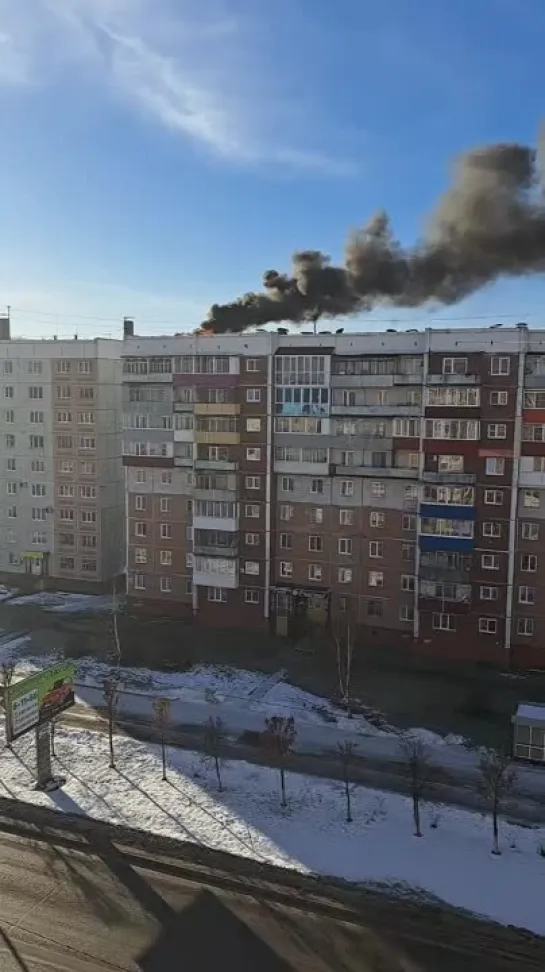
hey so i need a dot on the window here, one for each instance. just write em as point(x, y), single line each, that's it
point(251, 539)
point(286, 568)
point(408, 521)
point(166, 585)
point(140, 502)
point(34, 367)
point(86, 418)
point(64, 442)
point(530, 498)
point(487, 593)
point(488, 625)
point(88, 540)
point(443, 622)
point(252, 482)
point(166, 531)
point(88, 516)
point(253, 454)
point(538, 464)
point(499, 365)
point(64, 418)
point(140, 529)
point(495, 466)
point(11, 536)
point(8, 391)
point(345, 546)
point(37, 489)
point(463, 429)
point(35, 391)
point(140, 555)
point(87, 394)
point(12, 512)
point(450, 463)
point(165, 558)
point(493, 497)
point(347, 487)
point(376, 519)
point(317, 486)
point(529, 531)
point(491, 528)
point(375, 578)
point(217, 594)
point(87, 442)
point(10, 416)
point(407, 582)
point(495, 430)
point(251, 567)
point(166, 477)
point(66, 490)
point(11, 464)
point(316, 514)
point(454, 366)
point(378, 489)
point(64, 393)
point(490, 562)
point(287, 484)
point(251, 511)
point(252, 364)
point(67, 515)
point(376, 548)
point(285, 541)
point(67, 563)
point(37, 465)
point(251, 595)
point(36, 441)
point(139, 582)
point(89, 566)
point(527, 595)
point(11, 489)
point(525, 626)
point(346, 517)
point(8, 367)
point(347, 458)
point(9, 441)
point(344, 575)
point(528, 563)
point(286, 512)
point(253, 425)
point(314, 572)
point(406, 612)
point(164, 504)
point(453, 397)
point(253, 394)
point(406, 428)
point(374, 609)
point(498, 398)
point(315, 544)
point(533, 433)
point(39, 538)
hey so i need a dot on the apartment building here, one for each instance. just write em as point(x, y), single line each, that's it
point(62, 506)
point(394, 481)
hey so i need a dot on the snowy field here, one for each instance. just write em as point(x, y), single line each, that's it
point(59, 602)
point(452, 861)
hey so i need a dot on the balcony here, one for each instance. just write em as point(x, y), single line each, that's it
point(370, 410)
point(534, 381)
point(302, 468)
point(228, 524)
point(532, 480)
point(447, 511)
point(212, 550)
point(452, 478)
point(449, 575)
point(223, 408)
point(183, 461)
point(433, 541)
point(220, 495)
point(453, 379)
point(210, 579)
point(183, 406)
point(376, 472)
point(217, 438)
point(363, 381)
point(220, 465)
point(408, 379)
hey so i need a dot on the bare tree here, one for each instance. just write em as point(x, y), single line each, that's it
point(278, 740)
point(419, 771)
point(344, 651)
point(496, 783)
point(161, 710)
point(347, 755)
point(7, 671)
point(111, 697)
point(214, 741)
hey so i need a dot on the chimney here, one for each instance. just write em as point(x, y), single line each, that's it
point(128, 327)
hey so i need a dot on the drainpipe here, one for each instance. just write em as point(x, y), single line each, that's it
point(517, 435)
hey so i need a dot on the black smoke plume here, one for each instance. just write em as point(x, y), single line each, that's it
point(490, 222)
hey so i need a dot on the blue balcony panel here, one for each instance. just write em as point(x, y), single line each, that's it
point(446, 543)
point(447, 512)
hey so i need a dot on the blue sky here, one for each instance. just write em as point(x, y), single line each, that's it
point(159, 155)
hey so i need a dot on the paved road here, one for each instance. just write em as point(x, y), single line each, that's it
point(81, 897)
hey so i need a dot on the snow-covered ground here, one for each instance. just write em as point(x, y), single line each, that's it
point(60, 602)
point(452, 861)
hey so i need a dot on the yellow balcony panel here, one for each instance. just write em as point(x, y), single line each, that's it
point(225, 408)
point(217, 438)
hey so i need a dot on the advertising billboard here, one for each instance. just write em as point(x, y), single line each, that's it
point(39, 698)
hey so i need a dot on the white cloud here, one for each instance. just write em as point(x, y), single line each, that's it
point(208, 77)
